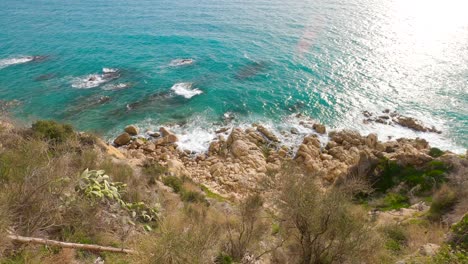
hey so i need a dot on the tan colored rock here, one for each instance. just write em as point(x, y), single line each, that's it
point(240, 148)
point(268, 134)
point(429, 249)
point(321, 129)
point(169, 139)
point(110, 150)
point(132, 130)
point(122, 139)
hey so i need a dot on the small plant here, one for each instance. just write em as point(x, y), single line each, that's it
point(223, 258)
point(210, 194)
point(51, 130)
point(396, 238)
point(98, 186)
point(192, 196)
point(443, 202)
point(459, 236)
point(435, 152)
point(449, 254)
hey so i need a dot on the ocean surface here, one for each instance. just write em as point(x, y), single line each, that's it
point(197, 65)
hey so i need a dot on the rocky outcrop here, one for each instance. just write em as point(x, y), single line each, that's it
point(237, 164)
point(319, 128)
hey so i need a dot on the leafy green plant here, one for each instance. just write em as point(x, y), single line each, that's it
point(210, 194)
point(396, 238)
point(223, 258)
point(449, 254)
point(96, 185)
point(51, 130)
point(173, 182)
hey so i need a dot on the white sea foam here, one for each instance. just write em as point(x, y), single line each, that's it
point(181, 62)
point(95, 80)
point(117, 86)
point(8, 62)
point(89, 81)
point(110, 70)
point(185, 90)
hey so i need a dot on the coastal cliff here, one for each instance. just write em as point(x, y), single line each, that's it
point(248, 199)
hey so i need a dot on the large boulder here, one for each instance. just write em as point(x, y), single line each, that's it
point(122, 139)
point(132, 130)
point(177, 168)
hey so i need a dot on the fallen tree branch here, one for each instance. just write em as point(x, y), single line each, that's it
point(49, 242)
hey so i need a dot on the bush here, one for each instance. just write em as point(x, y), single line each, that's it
point(51, 130)
point(223, 258)
point(154, 170)
point(393, 201)
point(443, 201)
point(321, 225)
point(174, 182)
point(435, 152)
point(452, 255)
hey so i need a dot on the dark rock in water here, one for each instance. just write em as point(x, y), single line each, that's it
point(45, 77)
point(222, 130)
point(181, 62)
point(39, 58)
point(394, 118)
point(294, 131)
point(251, 70)
point(104, 99)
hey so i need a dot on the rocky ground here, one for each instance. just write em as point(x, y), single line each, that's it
point(239, 158)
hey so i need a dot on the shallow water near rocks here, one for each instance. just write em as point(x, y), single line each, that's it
point(261, 61)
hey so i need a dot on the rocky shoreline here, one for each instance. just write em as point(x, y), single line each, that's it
point(240, 158)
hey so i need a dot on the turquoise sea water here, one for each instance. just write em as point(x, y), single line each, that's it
point(256, 60)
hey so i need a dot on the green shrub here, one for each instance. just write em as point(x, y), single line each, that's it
point(396, 238)
point(391, 174)
point(51, 130)
point(448, 254)
point(435, 152)
point(442, 202)
point(393, 201)
point(174, 182)
point(459, 236)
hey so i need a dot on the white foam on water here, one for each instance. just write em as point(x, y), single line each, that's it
point(181, 62)
point(115, 87)
point(185, 90)
point(13, 61)
point(110, 70)
point(95, 80)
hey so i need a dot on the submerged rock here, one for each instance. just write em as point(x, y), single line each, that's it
point(269, 135)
